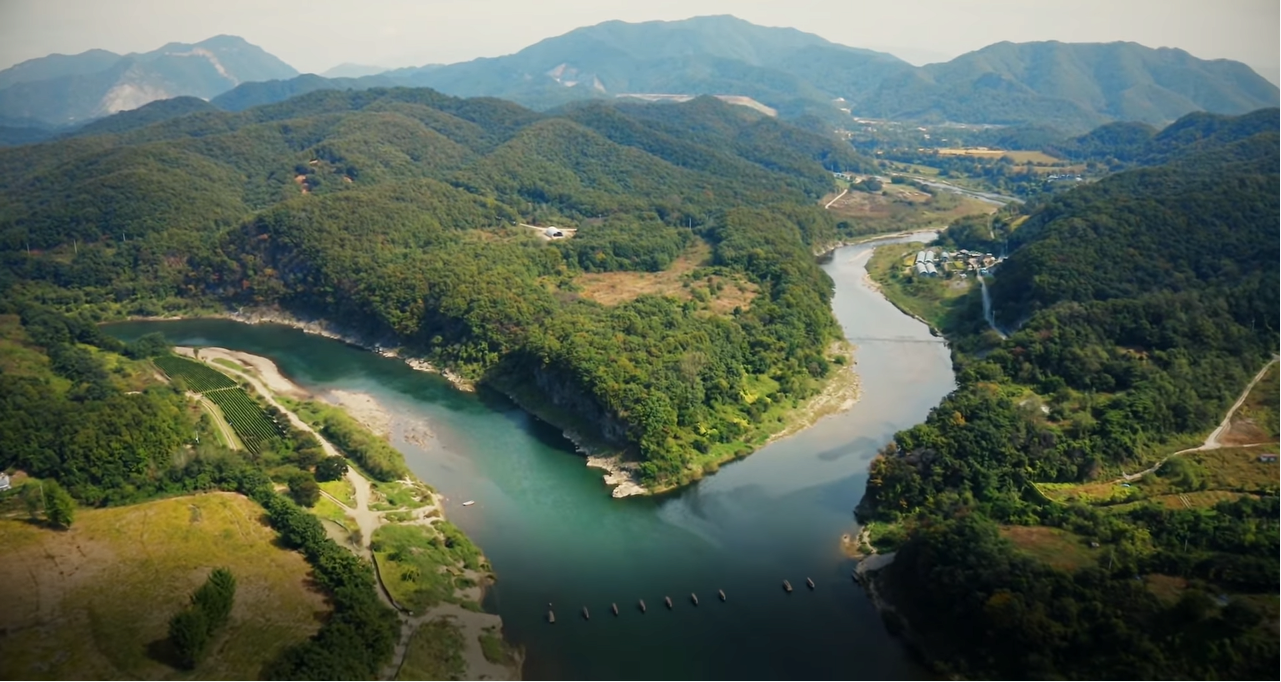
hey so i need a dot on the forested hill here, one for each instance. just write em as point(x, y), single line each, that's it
point(1131, 143)
point(1141, 305)
point(397, 214)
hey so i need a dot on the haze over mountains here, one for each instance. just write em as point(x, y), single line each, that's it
point(59, 89)
point(1075, 86)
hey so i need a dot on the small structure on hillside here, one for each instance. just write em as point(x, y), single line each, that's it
point(920, 256)
point(553, 232)
point(1265, 458)
point(920, 269)
point(5, 483)
point(930, 269)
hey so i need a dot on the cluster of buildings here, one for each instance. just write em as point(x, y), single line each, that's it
point(929, 265)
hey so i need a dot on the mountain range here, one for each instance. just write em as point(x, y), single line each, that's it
point(1074, 86)
point(60, 90)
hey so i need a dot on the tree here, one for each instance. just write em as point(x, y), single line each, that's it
point(304, 489)
point(59, 508)
point(216, 597)
point(148, 346)
point(331, 469)
point(189, 634)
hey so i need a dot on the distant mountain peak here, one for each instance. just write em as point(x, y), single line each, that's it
point(59, 90)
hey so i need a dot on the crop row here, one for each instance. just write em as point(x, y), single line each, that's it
point(252, 425)
point(198, 376)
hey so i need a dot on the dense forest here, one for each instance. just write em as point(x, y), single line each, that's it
point(397, 213)
point(1140, 306)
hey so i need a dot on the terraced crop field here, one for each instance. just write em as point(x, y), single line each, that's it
point(198, 376)
point(254, 428)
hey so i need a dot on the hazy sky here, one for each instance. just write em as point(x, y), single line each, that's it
point(314, 35)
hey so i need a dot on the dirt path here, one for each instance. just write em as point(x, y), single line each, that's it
point(837, 197)
point(368, 521)
point(219, 420)
point(1211, 441)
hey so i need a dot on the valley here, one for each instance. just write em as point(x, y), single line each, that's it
point(964, 370)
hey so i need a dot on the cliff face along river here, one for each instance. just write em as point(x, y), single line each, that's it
point(555, 535)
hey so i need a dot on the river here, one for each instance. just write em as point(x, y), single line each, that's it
point(554, 534)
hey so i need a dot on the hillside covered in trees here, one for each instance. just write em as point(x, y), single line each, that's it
point(398, 214)
point(1141, 306)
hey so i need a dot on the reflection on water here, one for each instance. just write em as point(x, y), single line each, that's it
point(554, 534)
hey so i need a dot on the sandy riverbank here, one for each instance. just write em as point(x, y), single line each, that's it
point(841, 393)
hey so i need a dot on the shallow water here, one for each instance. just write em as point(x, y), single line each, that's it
point(554, 534)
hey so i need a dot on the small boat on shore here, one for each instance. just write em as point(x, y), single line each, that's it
point(469, 503)
point(669, 601)
point(809, 582)
point(787, 587)
point(615, 607)
point(642, 606)
point(586, 615)
point(694, 598)
point(722, 594)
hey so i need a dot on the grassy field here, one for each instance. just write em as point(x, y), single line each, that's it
point(720, 294)
point(1054, 546)
point(435, 653)
point(94, 602)
point(1203, 480)
point(1032, 157)
point(342, 490)
point(398, 495)
point(419, 566)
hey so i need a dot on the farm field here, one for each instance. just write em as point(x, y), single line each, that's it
point(198, 376)
point(904, 207)
point(94, 602)
point(252, 426)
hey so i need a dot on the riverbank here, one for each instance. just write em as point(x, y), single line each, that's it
point(371, 510)
point(840, 392)
point(327, 330)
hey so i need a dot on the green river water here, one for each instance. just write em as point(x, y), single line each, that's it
point(554, 534)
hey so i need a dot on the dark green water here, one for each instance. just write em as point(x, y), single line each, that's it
point(555, 535)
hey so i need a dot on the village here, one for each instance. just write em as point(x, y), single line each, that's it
point(964, 261)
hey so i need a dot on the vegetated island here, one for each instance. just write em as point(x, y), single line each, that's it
point(679, 320)
point(393, 590)
point(1063, 513)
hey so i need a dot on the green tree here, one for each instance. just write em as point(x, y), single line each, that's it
point(216, 598)
point(331, 469)
point(189, 634)
point(59, 508)
point(304, 489)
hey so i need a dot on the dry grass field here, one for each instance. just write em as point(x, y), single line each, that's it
point(1054, 546)
point(612, 288)
point(94, 602)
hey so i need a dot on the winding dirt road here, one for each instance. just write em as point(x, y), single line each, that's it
point(1212, 440)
